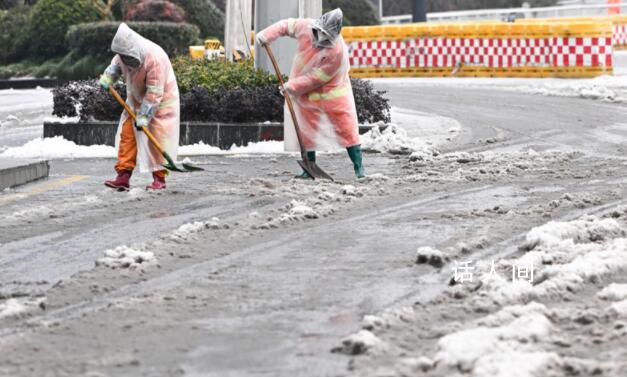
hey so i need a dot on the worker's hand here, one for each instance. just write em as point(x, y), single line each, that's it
point(141, 122)
point(286, 89)
point(105, 81)
point(261, 40)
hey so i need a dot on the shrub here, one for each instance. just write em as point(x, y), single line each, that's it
point(205, 15)
point(13, 34)
point(235, 105)
point(50, 21)
point(95, 38)
point(155, 10)
point(371, 104)
point(94, 103)
point(213, 75)
point(239, 105)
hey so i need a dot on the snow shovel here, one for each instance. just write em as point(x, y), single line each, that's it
point(309, 166)
point(170, 165)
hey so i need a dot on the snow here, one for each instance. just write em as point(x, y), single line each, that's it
point(186, 231)
point(16, 307)
point(613, 292)
point(564, 256)
point(65, 119)
point(393, 139)
point(480, 349)
point(11, 308)
point(359, 343)
point(300, 210)
point(587, 229)
point(429, 255)
point(58, 147)
point(349, 190)
point(125, 257)
point(607, 88)
point(619, 308)
point(263, 147)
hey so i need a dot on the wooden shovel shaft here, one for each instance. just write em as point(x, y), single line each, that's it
point(130, 112)
point(288, 100)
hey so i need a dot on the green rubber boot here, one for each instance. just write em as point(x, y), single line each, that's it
point(354, 153)
point(311, 156)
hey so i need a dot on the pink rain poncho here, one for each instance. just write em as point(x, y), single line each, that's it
point(321, 89)
point(151, 91)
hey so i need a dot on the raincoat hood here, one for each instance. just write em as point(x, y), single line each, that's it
point(128, 42)
point(327, 28)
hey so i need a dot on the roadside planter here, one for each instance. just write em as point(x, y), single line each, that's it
point(222, 135)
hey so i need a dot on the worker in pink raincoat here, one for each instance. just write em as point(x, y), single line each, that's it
point(152, 93)
point(320, 86)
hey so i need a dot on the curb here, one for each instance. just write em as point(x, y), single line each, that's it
point(18, 172)
point(222, 135)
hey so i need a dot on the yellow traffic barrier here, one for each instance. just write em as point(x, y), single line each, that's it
point(577, 48)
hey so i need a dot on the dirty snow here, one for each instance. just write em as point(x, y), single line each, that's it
point(16, 307)
point(613, 292)
point(125, 257)
point(359, 343)
point(186, 231)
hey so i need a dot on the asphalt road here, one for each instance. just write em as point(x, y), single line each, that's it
point(269, 288)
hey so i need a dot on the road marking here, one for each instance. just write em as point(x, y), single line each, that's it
point(41, 188)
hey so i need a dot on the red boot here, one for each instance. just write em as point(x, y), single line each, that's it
point(158, 182)
point(121, 183)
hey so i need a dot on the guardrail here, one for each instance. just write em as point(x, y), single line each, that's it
point(509, 14)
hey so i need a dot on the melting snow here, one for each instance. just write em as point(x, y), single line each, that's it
point(125, 257)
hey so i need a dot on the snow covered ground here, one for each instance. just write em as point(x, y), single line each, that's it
point(607, 88)
point(411, 131)
point(242, 269)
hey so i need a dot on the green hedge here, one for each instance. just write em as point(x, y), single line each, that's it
point(50, 21)
point(95, 38)
point(213, 75)
point(205, 15)
point(13, 34)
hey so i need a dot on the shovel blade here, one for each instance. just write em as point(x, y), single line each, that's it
point(173, 167)
point(191, 168)
point(314, 170)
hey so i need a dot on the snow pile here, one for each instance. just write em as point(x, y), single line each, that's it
point(563, 255)
point(428, 255)
point(509, 345)
point(613, 292)
point(586, 229)
point(393, 140)
point(10, 121)
point(30, 214)
point(186, 231)
point(58, 147)
point(64, 119)
point(619, 308)
point(389, 318)
point(357, 344)
point(17, 307)
point(262, 147)
point(298, 211)
point(125, 257)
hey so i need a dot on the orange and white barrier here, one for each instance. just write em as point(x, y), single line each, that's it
point(552, 49)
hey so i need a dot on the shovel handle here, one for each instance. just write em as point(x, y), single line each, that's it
point(130, 112)
point(288, 100)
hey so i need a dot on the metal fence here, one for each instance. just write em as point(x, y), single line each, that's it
point(510, 14)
